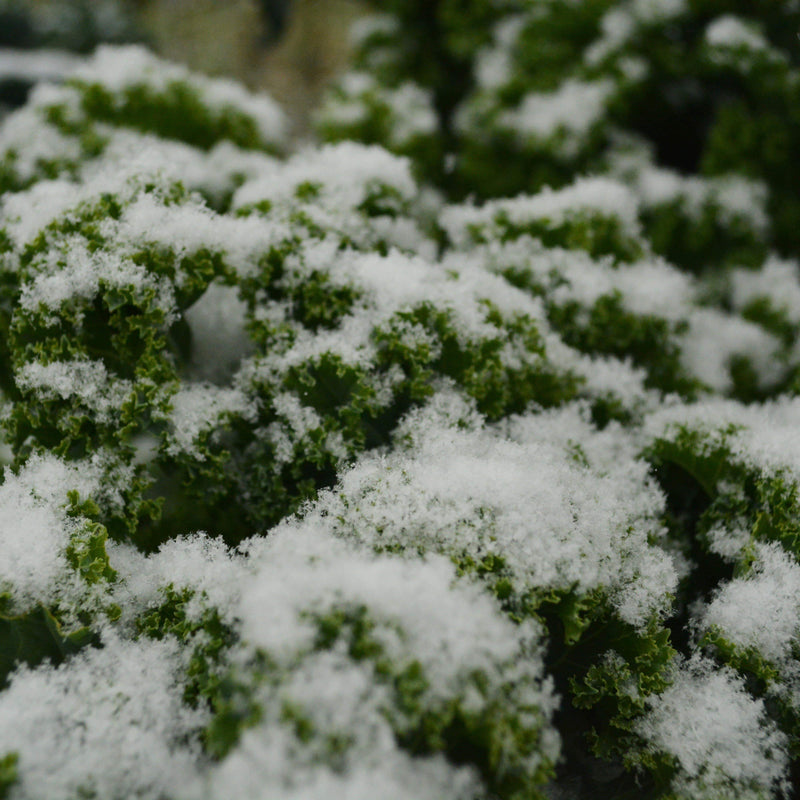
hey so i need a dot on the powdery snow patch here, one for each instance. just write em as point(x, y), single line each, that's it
point(35, 532)
point(556, 522)
point(108, 722)
point(564, 116)
point(761, 609)
point(715, 338)
point(416, 617)
point(198, 563)
point(719, 736)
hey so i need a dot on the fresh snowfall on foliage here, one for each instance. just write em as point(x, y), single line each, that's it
point(456, 457)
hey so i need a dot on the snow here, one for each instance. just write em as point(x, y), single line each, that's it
point(715, 338)
point(398, 546)
point(760, 610)
point(451, 630)
point(777, 281)
point(38, 65)
point(198, 563)
point(264, 761)
point(570, 112)
point(73, 271)
point(120, 68)
point(735, 198)
point(419, 617)
point(85, 380)
point(764, 437)
point(197, 409)
point(30, 142)
point(35, 532)
point(720, 736)
point(555, 523)
point(372, 25)
point(603, 196)
point(730, 31)
point(109, 722)
point(658, 11)
point(649, 287)
point(493, 64)
point(617, 26)
point(344, 174)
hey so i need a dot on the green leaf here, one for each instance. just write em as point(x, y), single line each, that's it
point(8, 773)
point(35, 637)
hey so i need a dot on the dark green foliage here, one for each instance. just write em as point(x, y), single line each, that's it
point(34, 637)
point(610, 329)
point(434, 43)
point(701, 109)
point(379, 123)
point(616, 685)
point(697, 243)
point(493, 737)
point(605, 666)
point(595, 232)
point(208, 636)
point(738, 494)
point(176, 112)
point(478, 367)
point(354, 312)
point(8, 773)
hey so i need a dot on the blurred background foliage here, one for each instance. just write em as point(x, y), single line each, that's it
point(290, 48)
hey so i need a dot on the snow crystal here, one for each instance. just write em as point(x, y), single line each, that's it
point(190, 227)
point(109, 722)
point(88, 381)
point(778, 281)
point(658, 11)
point(395, 282)
point(762, 608)
point(719, 735)
point(647, 287)
point(71, 271)
point(35, 531)
point(302, 569)
point(30, 142)
point(418, 615)
point(198, 408)
point(605, 376)
point(265, 762)
point(198, 563)
point(330, 187)
point(413, 109)
point(453, 629)
point(372, 25)
point(493, 65)
point(554, 522)
point(616, 28)
point(737, 198)
point(26, 213)
point(37, 65)
point(343, 172)
point(766, 436)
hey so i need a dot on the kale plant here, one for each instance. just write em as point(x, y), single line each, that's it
point(455, 457)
